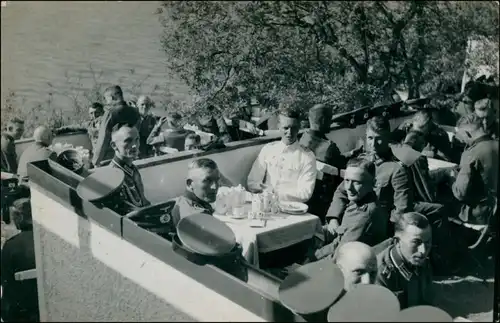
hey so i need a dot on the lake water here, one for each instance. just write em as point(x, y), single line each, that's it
point(56, 43)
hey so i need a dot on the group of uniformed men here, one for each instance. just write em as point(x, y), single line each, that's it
point(380, 223)
point(387, 199)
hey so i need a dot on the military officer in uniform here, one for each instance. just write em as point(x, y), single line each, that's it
point(326, 151)
point(202, 184)
point(125, 143)
point(363, 220)
point(438, 144)
point(403, 265)
point(117, 112)
point(475, 185)
point(392, 184)
point(286, 166)
point(145, 125)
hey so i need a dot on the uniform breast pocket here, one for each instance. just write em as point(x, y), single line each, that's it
point(290, 170)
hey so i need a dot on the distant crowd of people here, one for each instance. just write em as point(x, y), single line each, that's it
point(386, 223)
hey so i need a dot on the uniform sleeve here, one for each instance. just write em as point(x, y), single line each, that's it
point(442, 143)
point(303, 190)
point(335, 157)
point(258, 171)
point(403, 195)
point(103, 139)
point(339, 203)
point(463, 180)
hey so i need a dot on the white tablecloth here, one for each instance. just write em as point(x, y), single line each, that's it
point(280, 232)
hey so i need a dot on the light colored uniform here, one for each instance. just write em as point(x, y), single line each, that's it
point(290, 170)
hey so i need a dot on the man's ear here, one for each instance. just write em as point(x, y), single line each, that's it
point(113, 145)
point(189, 182)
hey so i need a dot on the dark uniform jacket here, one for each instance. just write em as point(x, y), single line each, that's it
point(8, 155)
point(36, 151)
point(189, 204)
point(476, 187)
point(133, 187)
point(362, 221)
point(119, 112)
point(20, 298)
point(392, 186)
point(326, 152)
point(438, 142)
point(145, 126)
point(412, 285)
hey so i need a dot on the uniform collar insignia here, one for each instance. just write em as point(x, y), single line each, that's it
point(406, 270)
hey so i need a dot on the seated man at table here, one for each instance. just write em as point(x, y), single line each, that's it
point(392, 184)
point(363, 220)
point(358, 263)
point(326, 151)
point(437, 142)
point(427, 202)
point(285, 165)
point(476, 182)
point(202, 184)
point(39, 150)
point(125, 143)
point(403, 265)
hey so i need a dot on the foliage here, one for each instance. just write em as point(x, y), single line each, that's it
point(244, 53)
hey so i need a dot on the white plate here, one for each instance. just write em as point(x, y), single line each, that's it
point(293, 207)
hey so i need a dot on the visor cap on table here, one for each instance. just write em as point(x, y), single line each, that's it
point(206, 235)
point(365, 303)
point(101, 184)
point(423, 313)
point(312, 288)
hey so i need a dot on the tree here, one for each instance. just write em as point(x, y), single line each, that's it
point(304, 52)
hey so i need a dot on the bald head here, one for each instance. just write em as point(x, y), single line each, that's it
point(358, 263)
point(43, 135)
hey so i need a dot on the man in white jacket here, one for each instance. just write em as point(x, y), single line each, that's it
point(285, 166)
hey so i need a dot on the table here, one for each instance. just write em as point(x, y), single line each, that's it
point(281, 231)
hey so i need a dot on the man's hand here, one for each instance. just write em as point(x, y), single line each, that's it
point(333, 226)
